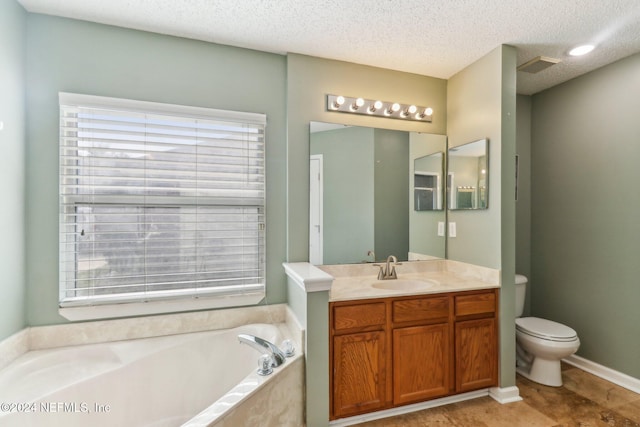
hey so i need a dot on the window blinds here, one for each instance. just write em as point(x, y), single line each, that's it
point(159, 201)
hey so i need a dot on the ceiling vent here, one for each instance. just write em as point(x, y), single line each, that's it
point(538, 64)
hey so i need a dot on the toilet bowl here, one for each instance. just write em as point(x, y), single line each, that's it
point(541, 343)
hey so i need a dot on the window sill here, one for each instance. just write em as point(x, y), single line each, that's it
point(131, 309)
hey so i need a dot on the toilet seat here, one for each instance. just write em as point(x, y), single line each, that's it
point(545, 329)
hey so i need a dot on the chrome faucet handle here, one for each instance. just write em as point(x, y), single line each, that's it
point(265, 364)
point(288, 348)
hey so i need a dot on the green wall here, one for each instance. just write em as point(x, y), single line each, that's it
point(482, 104)
point(12, 115)
point(523, 204)
point(585, 243)
point(475, 111)
point(75, 56)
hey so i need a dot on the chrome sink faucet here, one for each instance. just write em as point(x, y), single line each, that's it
point(388, 271)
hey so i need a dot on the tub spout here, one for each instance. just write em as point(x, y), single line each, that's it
point(261, 345)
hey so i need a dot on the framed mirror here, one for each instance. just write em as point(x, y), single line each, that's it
point(363, 194)
point(468, 176)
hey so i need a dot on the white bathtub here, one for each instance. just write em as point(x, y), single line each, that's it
point(195, 379)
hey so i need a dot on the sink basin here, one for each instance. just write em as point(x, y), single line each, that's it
point(404, 285)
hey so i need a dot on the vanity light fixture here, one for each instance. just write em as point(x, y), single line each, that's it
point(394, 110)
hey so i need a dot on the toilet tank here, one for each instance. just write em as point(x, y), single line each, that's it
point(521, 293)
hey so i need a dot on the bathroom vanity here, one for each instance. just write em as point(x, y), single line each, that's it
point(392, 346)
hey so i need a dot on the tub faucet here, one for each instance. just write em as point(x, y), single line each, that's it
point(389, 270)
point(277, 356)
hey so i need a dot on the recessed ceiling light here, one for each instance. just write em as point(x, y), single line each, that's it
point(581, 50)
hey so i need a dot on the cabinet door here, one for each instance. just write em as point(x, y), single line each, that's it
point(476, 354)
point(421, 363)
point(359, 373)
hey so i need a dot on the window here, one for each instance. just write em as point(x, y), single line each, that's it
point(159, 202)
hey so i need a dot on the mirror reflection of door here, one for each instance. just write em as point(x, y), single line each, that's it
point(315, 209)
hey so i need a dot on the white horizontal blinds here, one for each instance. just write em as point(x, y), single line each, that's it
point(157, 205)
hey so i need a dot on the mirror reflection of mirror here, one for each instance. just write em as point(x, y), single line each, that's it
point(362, 183)
point(468, 176)
point(427, 182)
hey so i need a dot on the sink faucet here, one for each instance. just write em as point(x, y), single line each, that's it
point(277, 356)
point(389, 270)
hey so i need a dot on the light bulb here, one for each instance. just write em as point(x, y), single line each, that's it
point(375, 107)
point(338, 102)
point(409, 110)
point(357, 104)
point(581, 50)
point(395, 107)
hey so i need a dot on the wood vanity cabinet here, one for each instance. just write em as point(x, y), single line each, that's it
point(395, 351)
point(421, 348)
point(476, 338)
point(359, 357)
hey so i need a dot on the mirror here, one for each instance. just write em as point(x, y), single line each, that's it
point(427, 182)
point(468, 176)
point(363, 194)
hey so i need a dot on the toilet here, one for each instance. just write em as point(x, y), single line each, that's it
point(541, 343)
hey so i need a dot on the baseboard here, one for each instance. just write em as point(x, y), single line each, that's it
point(623, 380)
point(408, 408)
point(505, 394)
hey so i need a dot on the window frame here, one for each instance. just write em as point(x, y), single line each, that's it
point(175, 300)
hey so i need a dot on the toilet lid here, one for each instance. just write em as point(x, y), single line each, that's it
point(545, 329)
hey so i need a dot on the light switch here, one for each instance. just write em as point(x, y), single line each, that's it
point(1, 125)
point(452, 229)
point(441, 229)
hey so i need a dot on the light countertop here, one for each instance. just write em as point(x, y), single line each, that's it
point(355, 282)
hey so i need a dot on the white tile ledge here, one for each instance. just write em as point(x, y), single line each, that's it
point(61, 335)
point(13, 347)
point(309, 277)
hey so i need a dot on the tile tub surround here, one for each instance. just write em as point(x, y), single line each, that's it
point(583, 400)
point(353, 281)
point(44, 337)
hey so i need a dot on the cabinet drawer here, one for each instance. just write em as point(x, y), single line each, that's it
point(421, 309)
point(475, 304)
point(359, 316)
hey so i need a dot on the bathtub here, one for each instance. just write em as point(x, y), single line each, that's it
point(194, 379)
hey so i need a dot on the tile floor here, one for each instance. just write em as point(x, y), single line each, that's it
point(583, 401)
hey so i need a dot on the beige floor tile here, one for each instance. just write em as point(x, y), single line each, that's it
point(596, 389)
point(583, 401)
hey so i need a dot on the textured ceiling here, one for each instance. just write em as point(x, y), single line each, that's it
point(428, 37)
